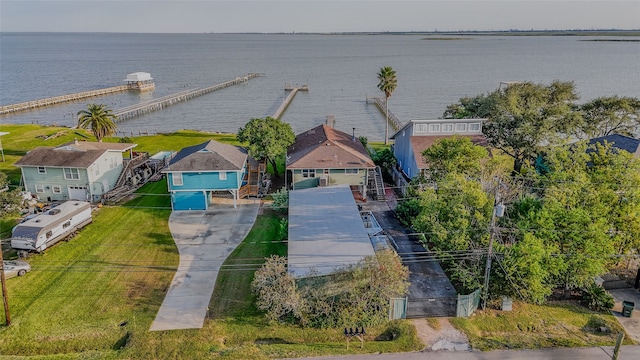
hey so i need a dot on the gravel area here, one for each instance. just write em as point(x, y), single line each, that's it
point(446, 337)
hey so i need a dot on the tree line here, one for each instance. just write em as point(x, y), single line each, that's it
point(572, 209)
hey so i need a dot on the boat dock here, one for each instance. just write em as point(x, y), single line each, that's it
point(34, 104)
point(162, 102)
point(393, 120)
point(293, 90)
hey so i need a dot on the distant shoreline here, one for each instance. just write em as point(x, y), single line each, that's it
point(601, 32)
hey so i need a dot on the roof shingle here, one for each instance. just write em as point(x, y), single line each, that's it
point(209, 156)
point(327, 148)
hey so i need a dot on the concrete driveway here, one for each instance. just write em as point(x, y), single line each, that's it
point(631, 324)
point(204, 240)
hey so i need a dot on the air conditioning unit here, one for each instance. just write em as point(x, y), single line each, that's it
point(324, 180)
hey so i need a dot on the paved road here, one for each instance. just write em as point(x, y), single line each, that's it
point(204, 240)
point(603, 353)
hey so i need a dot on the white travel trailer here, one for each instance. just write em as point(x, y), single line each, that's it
point(46, 229)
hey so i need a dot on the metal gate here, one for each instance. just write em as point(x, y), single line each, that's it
point(397, 308)
point(431, 307)
point(467, 304)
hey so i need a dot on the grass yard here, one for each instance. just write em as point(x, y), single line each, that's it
point(539, 326)
point(80, 292)
point(235, 329)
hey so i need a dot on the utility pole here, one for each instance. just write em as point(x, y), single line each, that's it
point(498, 211)
point(5, 299)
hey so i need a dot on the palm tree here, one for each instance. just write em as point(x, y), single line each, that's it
point(387, 84)
point(100, 119)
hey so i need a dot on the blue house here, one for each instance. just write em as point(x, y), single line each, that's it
point(199, 172)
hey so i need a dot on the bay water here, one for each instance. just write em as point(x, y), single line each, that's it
point(340, 71)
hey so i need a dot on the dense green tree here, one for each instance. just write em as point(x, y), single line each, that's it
point(99, 119)
point(588, 209)
point(454, 155)
point(387, 83)
point(529, 117)
point(478, 107)
point(610, 115)
point(455, 218)
point(267, 139)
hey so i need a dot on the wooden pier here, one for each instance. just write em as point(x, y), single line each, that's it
point(393, 120)
point(162, 102)
point(30, 105)
point(293, 90)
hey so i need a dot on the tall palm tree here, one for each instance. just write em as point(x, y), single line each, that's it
point(387, 84)
point(100, 119)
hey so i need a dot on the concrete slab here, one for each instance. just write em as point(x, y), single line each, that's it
point(630, 324)
point(204, 240)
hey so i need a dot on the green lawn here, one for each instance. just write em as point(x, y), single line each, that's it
point(232, 295)
point(79, 292)
point(539, 326)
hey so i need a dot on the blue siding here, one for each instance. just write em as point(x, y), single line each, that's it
point(189, 200)
point(205, 181)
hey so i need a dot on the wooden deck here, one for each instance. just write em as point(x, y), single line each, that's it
point(253, 177)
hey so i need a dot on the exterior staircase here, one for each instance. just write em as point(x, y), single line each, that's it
point(376, 184)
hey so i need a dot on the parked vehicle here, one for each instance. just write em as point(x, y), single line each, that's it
point(13, 268)
point(48, 228)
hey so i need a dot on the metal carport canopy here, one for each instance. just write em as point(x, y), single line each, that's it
point(326, 231)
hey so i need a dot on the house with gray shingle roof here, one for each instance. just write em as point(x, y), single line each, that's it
point(79, 170)
point(199, 172)
point(620, 142)
point(324, 156)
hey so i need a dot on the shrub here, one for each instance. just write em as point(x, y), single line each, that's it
point(596, 298)
point(281, 200)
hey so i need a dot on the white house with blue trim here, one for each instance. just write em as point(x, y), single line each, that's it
point(199, 172)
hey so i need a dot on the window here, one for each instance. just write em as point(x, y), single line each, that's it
point(461, 127)
point(177, 179)
point(474, 127)
point(49, 234)
point(351, 171)
point(434, 128)
point(66, 225)
point(39, 188)
point(222, 176)
point(57, 189)
point(447, 127)
point(308, 173)
point(71, 174)
point(42, 170)
point(421, 128)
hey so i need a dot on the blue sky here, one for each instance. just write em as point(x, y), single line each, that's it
point(185, 16)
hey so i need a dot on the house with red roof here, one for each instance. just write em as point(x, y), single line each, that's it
point(324, 156)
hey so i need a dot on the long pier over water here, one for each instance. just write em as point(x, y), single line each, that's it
point(393, 120)
point(160, 103)
point(34, 104)
point(293, 91)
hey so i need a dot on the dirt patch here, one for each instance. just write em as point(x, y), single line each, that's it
point(446, 337)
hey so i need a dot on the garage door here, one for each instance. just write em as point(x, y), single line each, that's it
point(189, 200)
point(77, 193)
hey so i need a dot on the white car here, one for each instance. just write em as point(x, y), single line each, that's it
point(13, 268)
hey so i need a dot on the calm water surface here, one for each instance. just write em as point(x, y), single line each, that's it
point(339, 69)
